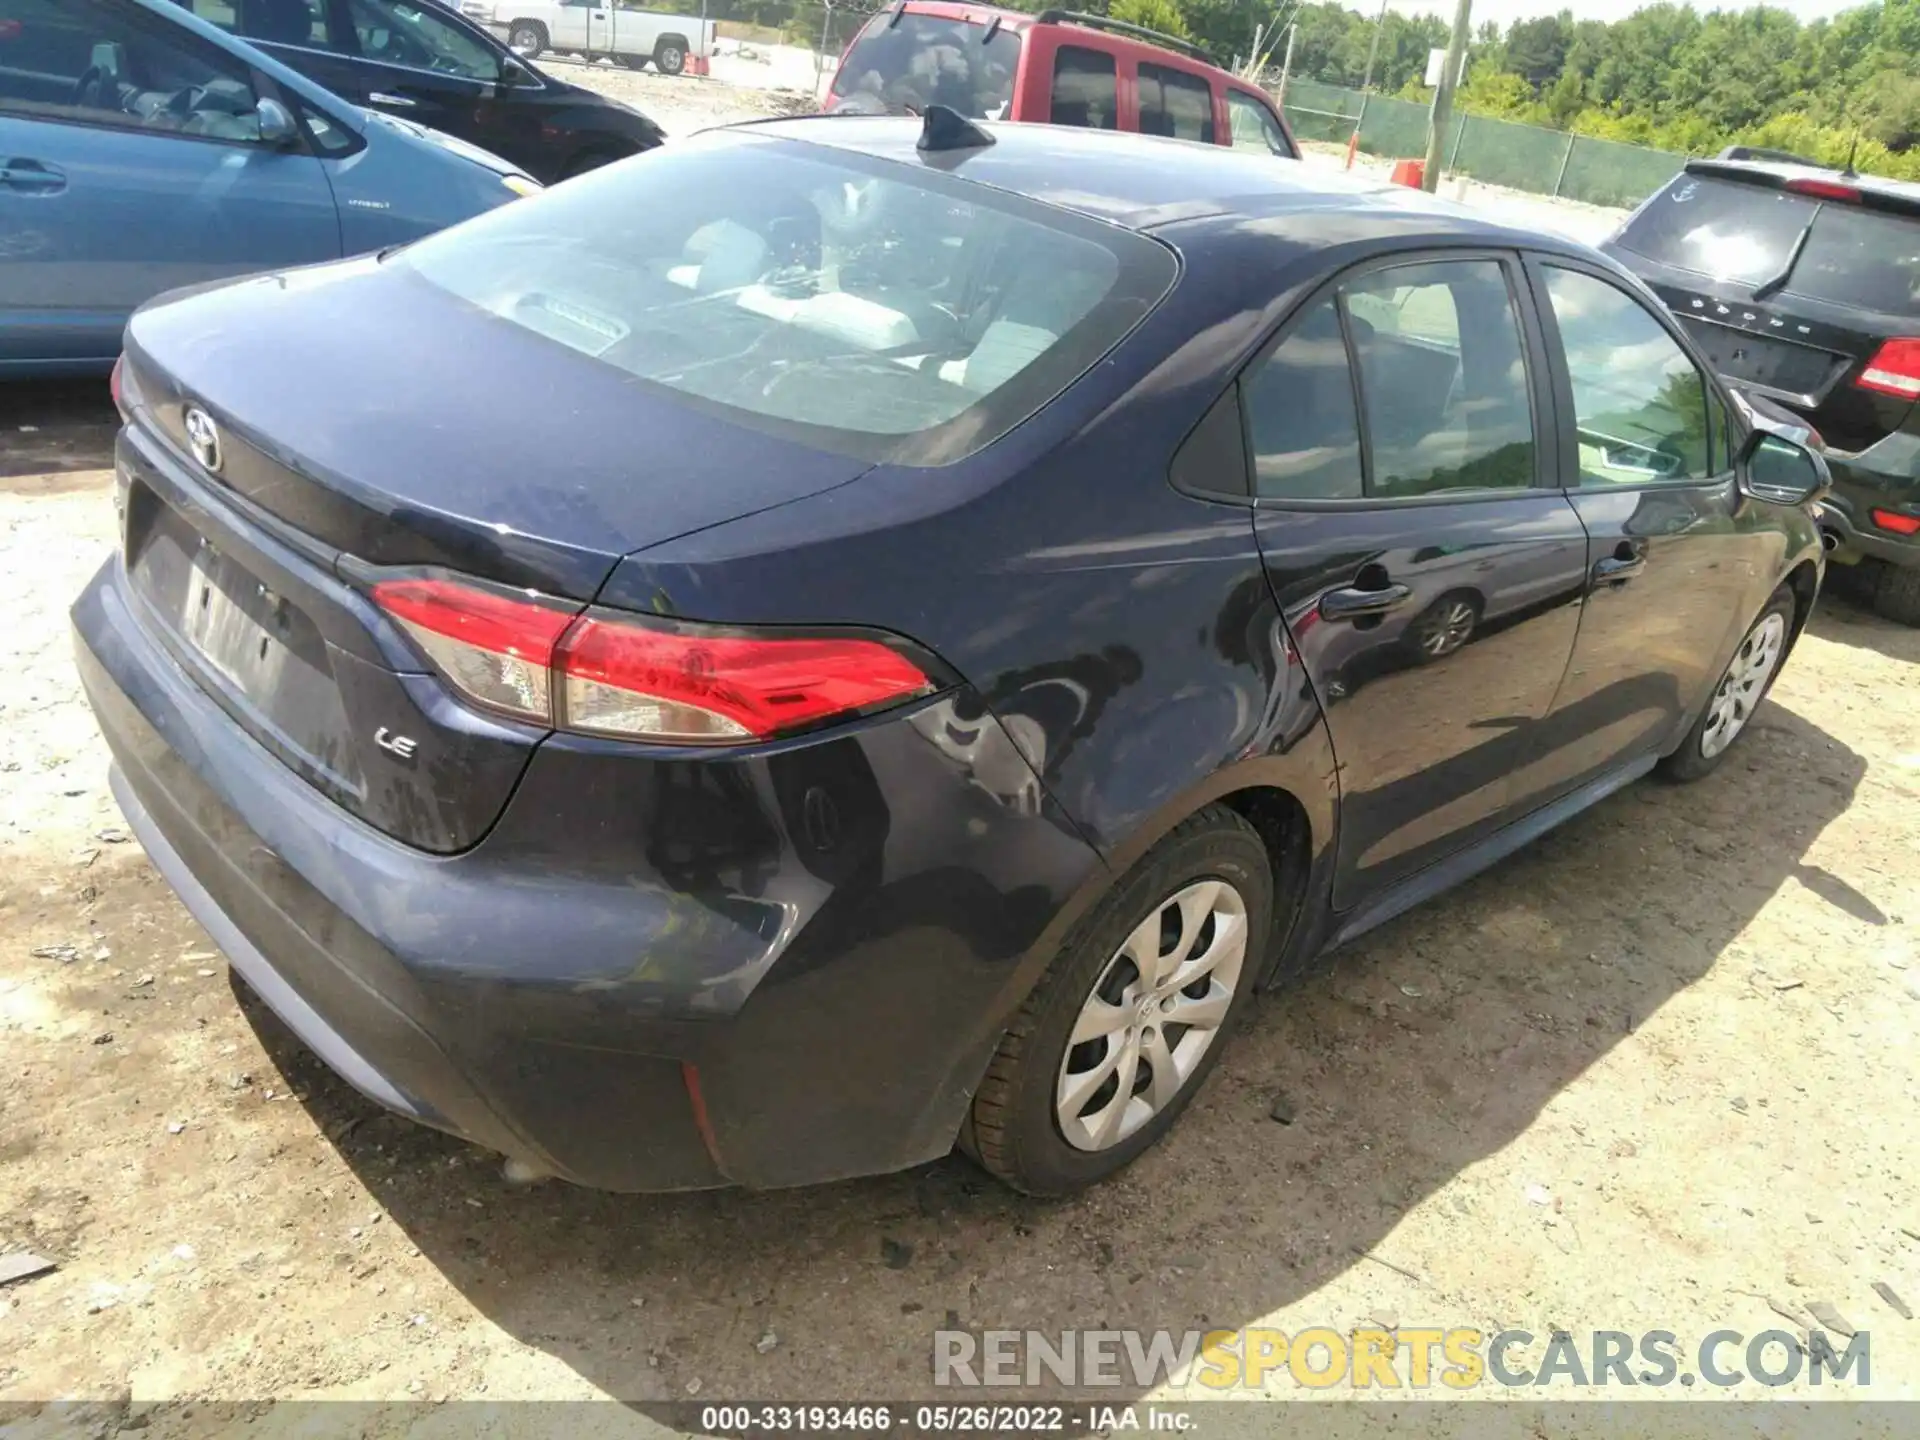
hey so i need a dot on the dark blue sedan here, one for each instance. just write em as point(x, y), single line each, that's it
point(848, 636)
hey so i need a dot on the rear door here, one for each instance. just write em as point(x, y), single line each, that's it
point(1678, 564)
point(130, 163)
point(1426, 572)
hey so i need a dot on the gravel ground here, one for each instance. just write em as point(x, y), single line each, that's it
point(1655, 1073)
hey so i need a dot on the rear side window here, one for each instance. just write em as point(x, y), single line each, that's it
point(1174, 103)
point(910, 60)
point(418, 35)
point(1085, 91)
point(277, 22)
point(1302, 427)
point(1444, 379)
point(859, 305)
point(1443, 385)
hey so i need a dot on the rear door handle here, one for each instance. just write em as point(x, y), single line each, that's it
point(399, 102)
point(1352, 604)
point(34, 177)
point(1616, 568)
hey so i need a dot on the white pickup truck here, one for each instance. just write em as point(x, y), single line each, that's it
point(593, 28)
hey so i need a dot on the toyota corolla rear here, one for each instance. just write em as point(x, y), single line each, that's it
point(640, 900)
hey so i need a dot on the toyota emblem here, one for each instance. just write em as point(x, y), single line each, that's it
point(204, 436)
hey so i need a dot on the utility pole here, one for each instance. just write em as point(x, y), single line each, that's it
point(1286, 65)
point(1366, 85)
point(1373, 50)
point(1443, 92)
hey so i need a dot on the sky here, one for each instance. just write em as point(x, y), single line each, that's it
point(1507, 11)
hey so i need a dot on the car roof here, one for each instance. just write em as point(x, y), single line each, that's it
point(952, 10)
point(1143, 182)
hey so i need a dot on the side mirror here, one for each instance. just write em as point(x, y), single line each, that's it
point(278, 129)
point(1781, 471)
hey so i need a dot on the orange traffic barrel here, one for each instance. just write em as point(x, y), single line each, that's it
point(1412, 173)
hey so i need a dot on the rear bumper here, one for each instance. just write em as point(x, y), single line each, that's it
point(1859, 488)
point(653, 973)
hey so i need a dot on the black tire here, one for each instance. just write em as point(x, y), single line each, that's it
point(1896, 593)
point(1013, 1131)
point(631, 62)
point(1691, 761)
point(670, 55)
point(527, 39)
point(582, 164)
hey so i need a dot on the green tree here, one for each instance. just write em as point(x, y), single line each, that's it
point(1161, 15)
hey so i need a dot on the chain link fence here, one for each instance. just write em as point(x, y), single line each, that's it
point(1498, 152)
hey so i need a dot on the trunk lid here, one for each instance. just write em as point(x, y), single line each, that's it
point(528, 463)
point(344, 444)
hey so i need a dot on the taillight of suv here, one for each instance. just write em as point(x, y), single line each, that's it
point(1894, 370)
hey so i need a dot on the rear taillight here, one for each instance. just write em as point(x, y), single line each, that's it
point(495, 646)
point(1895, 522)
point(609, 673)
point(113, 386)
point(1894, 370)
point(624, 677)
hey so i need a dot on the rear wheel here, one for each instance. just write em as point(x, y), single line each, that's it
point(527, 39)
point(592, 160)
point(1444, 626)
point(670, 55)
point(1118, 1036)
point(1896, 593)
point(1749, 675)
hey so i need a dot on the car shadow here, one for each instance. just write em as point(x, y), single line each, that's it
point(1422, 1049)
point(1845, 617)
point(51, 428)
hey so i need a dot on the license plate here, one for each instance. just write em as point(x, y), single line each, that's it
point(1777, 364)
point(235, 632)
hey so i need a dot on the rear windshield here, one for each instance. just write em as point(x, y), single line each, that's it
point(1746, 233)
point(913, 61)
point(859, 305)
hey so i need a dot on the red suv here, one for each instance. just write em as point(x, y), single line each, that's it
point(1057, 67)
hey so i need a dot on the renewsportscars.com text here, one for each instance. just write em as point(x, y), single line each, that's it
point(1409, 1357)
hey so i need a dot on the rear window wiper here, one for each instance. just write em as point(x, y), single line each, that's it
point(1777, 282)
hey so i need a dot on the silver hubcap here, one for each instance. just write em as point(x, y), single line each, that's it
point(1745, 682)
point(1153, 1013)
point(525, 42)
point(1447, 630)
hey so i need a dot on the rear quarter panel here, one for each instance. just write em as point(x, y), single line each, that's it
point(1123, 632)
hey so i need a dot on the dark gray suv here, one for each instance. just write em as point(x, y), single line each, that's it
point(1803, 284)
